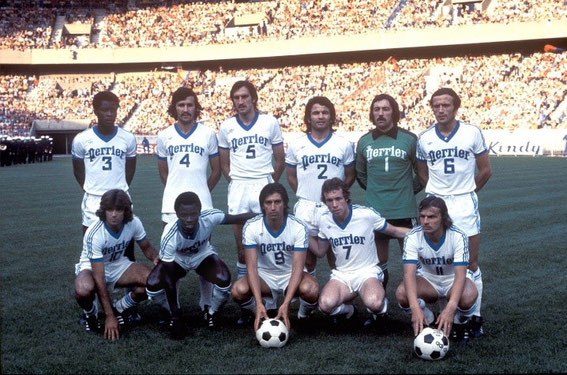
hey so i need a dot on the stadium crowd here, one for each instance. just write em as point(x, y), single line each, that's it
point(508, 91)
point(184, 23)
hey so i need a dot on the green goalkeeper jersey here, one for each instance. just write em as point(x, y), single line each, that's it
point(385, 166)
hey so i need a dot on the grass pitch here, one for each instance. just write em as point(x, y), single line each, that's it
point(523, 255)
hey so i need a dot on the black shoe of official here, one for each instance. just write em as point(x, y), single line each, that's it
point(120, 317)
point(92, 323)
point(376, 320)
point(475, 327)
point(205, 313)
point(342, 320)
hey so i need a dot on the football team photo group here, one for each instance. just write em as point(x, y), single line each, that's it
point(278, 247)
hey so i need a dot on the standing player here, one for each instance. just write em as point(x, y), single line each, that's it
point(104, 156)
point(185, 246)
point(104, 266)
point(184, 151)
point(313, 158)
point(448, 153)
point(275, 243)
point(385, 165)
point(348, 230)
point(247, 143)
point(435, 261)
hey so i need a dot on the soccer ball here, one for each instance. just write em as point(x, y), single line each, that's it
point(431, 344)
point(272, 333)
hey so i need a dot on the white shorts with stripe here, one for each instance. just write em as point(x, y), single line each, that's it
point(309, 212)
point(355, 280)
point(243, 195)
point(441, 283)
point(277, 283)
point(112, 271)
point(463, 210)
point(192, 261)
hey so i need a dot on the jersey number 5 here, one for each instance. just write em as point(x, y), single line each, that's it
point(250, 152)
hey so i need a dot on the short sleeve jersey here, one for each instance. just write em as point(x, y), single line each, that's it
point(451, 160)
point(102, 244)
point(437, 259)
point(275, 249)
point(250, 146)
point(316, 162)
point(187, 157)
point(104, 158)
point(352, 241)
point(385, 166)
point(175, 242)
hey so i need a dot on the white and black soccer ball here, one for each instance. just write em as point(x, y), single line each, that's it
point(272, 333)
point(431, 344)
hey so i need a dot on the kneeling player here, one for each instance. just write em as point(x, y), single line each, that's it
point(103, 264)
point(348, 230)
point(435, 261)
point(275, 247)
point(185, 246)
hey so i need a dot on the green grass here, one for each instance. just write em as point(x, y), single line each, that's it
point(523, 256)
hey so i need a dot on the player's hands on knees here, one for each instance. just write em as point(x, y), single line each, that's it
point(445, 321)
point(418, 321)
point(261, 314)
point(111, 328)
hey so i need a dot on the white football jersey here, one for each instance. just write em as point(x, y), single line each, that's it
point(104, 158)
point(250, 146)
point(187, 158)
point(175, 243)
point(452, 250)
point(102, 244)
point(451, 160)
point(352, 242)
point(275, 250)
point(316, 162)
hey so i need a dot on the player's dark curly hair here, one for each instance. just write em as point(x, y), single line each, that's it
point(393, 104)
point(107, 96)
point(187, 197)
point(251, 89)
point(447, 91)
point(333, 184)
point(118, 199)
point(321, 100)
point(433, 201)
point(180, 94)
point(272, 188)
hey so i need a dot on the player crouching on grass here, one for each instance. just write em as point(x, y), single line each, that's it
point(348, 230)
point(185, 246)
point(104, 266)
point(436, 256)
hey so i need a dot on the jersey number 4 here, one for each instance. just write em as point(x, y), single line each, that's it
point(185, 160)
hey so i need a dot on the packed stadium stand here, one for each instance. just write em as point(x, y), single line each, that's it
point(506, 90)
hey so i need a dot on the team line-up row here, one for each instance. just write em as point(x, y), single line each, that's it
point(278, 250)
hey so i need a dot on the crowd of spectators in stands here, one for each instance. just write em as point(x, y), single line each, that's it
point(508, 91)
point(185, 23)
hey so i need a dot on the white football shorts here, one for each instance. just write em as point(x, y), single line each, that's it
point(441, 283)
point(463, 210)
point(243, 195)
point(354, 280)
point(112, 271)
point(309, 212)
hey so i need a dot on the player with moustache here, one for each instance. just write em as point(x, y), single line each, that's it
point(185, 151)
point(247, 143)
point(276, 244)
point(386, 168)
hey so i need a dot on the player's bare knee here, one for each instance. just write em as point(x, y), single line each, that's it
point(327, 303)
point(240, 291)
point(401, 295)
point(309, 291)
